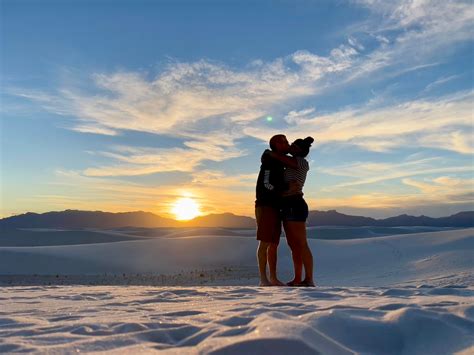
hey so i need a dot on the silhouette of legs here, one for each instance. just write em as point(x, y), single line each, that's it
point(297, 261)
point(297, 240)
point(267, 253)
point(262, 263)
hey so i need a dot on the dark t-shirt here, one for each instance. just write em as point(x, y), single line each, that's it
point(270, 182)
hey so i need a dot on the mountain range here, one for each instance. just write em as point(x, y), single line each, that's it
point(97, 219)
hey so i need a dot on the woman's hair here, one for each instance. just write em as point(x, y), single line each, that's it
point(304, 145)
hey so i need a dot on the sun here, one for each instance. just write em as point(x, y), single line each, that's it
point(185, 208)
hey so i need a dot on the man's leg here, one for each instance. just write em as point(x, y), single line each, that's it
point(272, 264)
point(262, 263)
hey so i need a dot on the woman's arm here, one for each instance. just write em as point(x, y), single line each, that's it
point(286, 160)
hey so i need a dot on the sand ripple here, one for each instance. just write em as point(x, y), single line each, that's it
point(233, 319)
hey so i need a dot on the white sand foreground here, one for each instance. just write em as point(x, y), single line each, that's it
point(237, 320)
point(404, 294)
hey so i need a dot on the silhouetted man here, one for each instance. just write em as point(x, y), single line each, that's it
point(270, 184)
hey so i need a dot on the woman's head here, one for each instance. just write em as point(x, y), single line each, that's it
point(300, 147)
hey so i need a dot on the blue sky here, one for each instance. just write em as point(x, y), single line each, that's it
point(128, 105)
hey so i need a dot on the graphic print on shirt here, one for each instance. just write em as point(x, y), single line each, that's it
point(266, 180)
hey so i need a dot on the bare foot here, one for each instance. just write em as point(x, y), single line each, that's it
point(293, 283)
point(265, 283)
point(307, 283)
point(276, 282)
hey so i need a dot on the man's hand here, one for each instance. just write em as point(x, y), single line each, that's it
point(266, 180)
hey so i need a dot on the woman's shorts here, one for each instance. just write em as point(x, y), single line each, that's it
point(294, 208)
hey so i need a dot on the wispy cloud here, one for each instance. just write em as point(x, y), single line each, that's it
point(363, 173)
point(433, 196)
point(419, 123)
point(412, 33)
point(132, 161)
point(440, 81)
point(210, 189)
point(214, 178)
point(183, 94)
point(205, 103)
point(444, 185)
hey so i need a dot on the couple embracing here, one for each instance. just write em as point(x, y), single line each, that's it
point(280, 201)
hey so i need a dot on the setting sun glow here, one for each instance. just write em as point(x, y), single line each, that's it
point(185, 208)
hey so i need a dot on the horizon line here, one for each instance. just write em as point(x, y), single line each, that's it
point(222, 213)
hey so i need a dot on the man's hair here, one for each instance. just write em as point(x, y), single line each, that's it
point(274, 139)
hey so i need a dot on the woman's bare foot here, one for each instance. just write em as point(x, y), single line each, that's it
point(265, 283)
point(307, 283)
point(293, 283)
point(276, 282)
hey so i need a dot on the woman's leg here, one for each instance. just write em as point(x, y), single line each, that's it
point(295, 254)
point(297, 232)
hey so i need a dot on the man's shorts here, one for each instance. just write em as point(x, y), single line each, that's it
point(294, 209)
point(268, 224)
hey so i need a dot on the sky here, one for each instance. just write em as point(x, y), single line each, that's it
point(130, 105)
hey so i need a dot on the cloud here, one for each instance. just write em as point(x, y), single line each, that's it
point(183, 94)
point(440, 81)
point(295, 117)
point(215, 191)
point(418, 123)
point(363, 173)
point(434, 196)
point(382, 205)
point(213, 178)
point(205, 103)
point(453, 189)
point(133, 161)
point(410, 32)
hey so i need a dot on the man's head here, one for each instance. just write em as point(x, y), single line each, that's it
point(279, 144)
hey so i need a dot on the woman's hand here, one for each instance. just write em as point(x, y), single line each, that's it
point(294, 188)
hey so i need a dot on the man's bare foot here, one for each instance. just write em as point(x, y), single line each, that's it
point(276, 282)
point(265, 283)
point(293, 283)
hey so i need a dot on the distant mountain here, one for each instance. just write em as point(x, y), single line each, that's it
point(461, 219)
point(334, 218)
point(74, 219)
point(225, 220)
point(98, 219)
point(87, 219)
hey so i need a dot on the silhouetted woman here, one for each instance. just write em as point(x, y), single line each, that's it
point(295, 210)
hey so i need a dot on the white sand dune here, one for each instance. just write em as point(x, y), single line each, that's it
point(48, 237)
point(359, 262)
point(403, 294)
